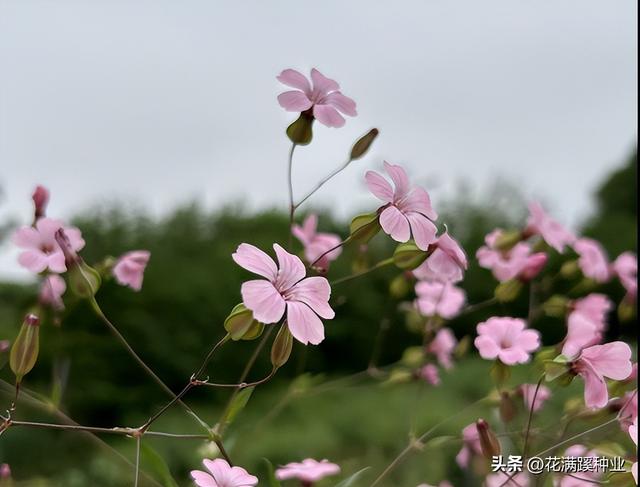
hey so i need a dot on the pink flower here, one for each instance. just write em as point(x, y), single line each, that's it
point(442, 346)
point(221, 474)
point(580, 478)
point(51, 291)
point(430, 374)
point(285, 288)
point(593, 260)
point(308, 471)
point(626, 268)
point(502, 479)
point(539, 223)
point(470, 445)
point(316, 243)
point(439, 298)
point(528, 391)
point(446, 263)
point(509, 264)
point(5, 471)
point(324, 97)
point(586, 324)
point(40, 199)
point(628, 408)
point(407, 210)
point(506, 339)
point(611, 360)
point(633, 433)
point(129, 269)
point(41, 250)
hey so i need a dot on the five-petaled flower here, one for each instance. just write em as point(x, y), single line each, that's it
point(221, 474)
point(443, 346)
point(506, 339)
point(317, 245)
point(528, 392)
point(517, 262)
point(322, 97)
point(446, 263)
point(626, 268)
point(552, 232)
point(305, 300)
point(586, 323)
point(439, 299)
point(593, 260)
point(129, 268)
point(308, 471)
point(407, 209)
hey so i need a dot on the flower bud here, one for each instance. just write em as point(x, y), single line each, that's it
point(488, 441)
point(507, 408)
point(408, 256)
point(299, 132)
point(24, 351)
point(570, 269)
point(40, 200)
point(364, 227)
point(363, 144)
point(508, 291)
point(507, 240)
point(413, 357)
point(241, 325)
point(84, 280)
point(626, 310)
point(281, 348)
point(399, 287)
point(556, 306)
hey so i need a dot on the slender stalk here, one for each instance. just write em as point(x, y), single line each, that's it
point(478, 306)
point(323, 181)
point(530, 419)
point(292, 206)
point(137, 470)
point(344, 242)
point(379, 265)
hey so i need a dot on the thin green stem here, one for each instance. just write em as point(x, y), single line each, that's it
point(377, 266)
point(292, 206)
point(323, 181)
point(137, 470)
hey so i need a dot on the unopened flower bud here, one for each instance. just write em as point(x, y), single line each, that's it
point(556, 306)
point(408, 256)
point(281, 348)
point(241, 325)
point(508, 291)
point(84, 280)
point(488, 441)
point(300, 132)
point(399, 287)
point(365, 227)
point(507, 240)
point(507, 408)
point(363, 144)
point(24, 351)
point(626, 310)
point(570, 269)
point(40, 200)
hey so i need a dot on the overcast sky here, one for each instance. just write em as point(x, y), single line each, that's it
point(161, 102)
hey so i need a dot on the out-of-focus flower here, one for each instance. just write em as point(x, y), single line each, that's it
point(579, 478)
point(221, 474)
point(51, 291)
point(5, 471)
point(470, 445)
point(308, 471)
point(407, 209)
point(626, 268)
point(552, 232)
point(316, 243)
point(323, 97)
point(439, 299)
point(528, 392)
point(442, 346)
point(41, 251)
point(285, 288)
point(430, 373)
point(502, 479)
point(593, 260)
point(129, 268)
point(627, 407)
point(506, 339)
point(586, 323)
point(519, 261)
point(40, 199)
point(633, 433)
point(446, 263)
point(611, 360)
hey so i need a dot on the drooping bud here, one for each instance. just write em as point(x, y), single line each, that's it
point(40, 198)
point(508, 291)
point(84, 280)
point(507, 408)
point(363, 144)
point(24, 351)
point(364, 227)
point(488, 441)
point(241, 324)
point(408, 256)
point(556, 306)
point(300, 132)
point(282, 346)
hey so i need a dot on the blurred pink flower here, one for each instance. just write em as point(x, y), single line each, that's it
point(308, 471)
point(430, 374)
point(470, 445)
point(611, 360)
point(285, 288)
point(407, 210)
point(633, 433)
point(580, 478)
point(51, 291)
point(41, 250)
point(628, 408)
point(446, 263)
point(221, 474)
point(316, 243)
point(552, 232)
point(593, 260)
point(324, 97)
point(439, 299)
point(528, 391)
point(442, 346)
point(509, 264)
point(40, 199)
point(502, 479)
point(625, 268)
point(506, 339)
point(5, 471)
point(586, 323)
point(129, 269)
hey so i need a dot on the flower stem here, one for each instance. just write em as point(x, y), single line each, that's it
point(322, 182)
point(292, 206)
point(379, 265)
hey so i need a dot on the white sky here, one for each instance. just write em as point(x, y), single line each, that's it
point(162, 102)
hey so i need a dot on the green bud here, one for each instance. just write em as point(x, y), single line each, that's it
point(570, 269)
point(557, 368)
point(556, 306)
point(408, 256)
point(414, 320)
point(399, 376)
point(241, 324)
point(626, 310)
point(413, 357)
point(24, 351)
point(508, 239)
point(508, 291)
point(84, 280)
point(488, 441)
point(364, 227)
point(300, 132)
point(281, 348)
point(399, 287)
point(363, 144)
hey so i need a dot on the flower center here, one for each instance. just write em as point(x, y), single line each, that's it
point(505, 343)
point(46, 248)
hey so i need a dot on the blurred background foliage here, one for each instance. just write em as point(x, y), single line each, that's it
point(190, 286)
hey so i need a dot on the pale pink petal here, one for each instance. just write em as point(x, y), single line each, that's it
point(26, 237)
point(379, 186)
point(255, 260)
point(342, 103)
point(34, 261)
point(423, 230)
point(395, 224)
point(399, 178)
point(528, 340)
point(264, 300)
point(203, 479)
point(612, 360)
point(327, 115)
point(56, 262)
point(315, 292)
point(418, 200)
point(295, 79)
point(321, 84)
point(595, 388)
point(487, 347)
point(304, 324)
point(512, 356)
point(291, 269)
point(294, 101)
